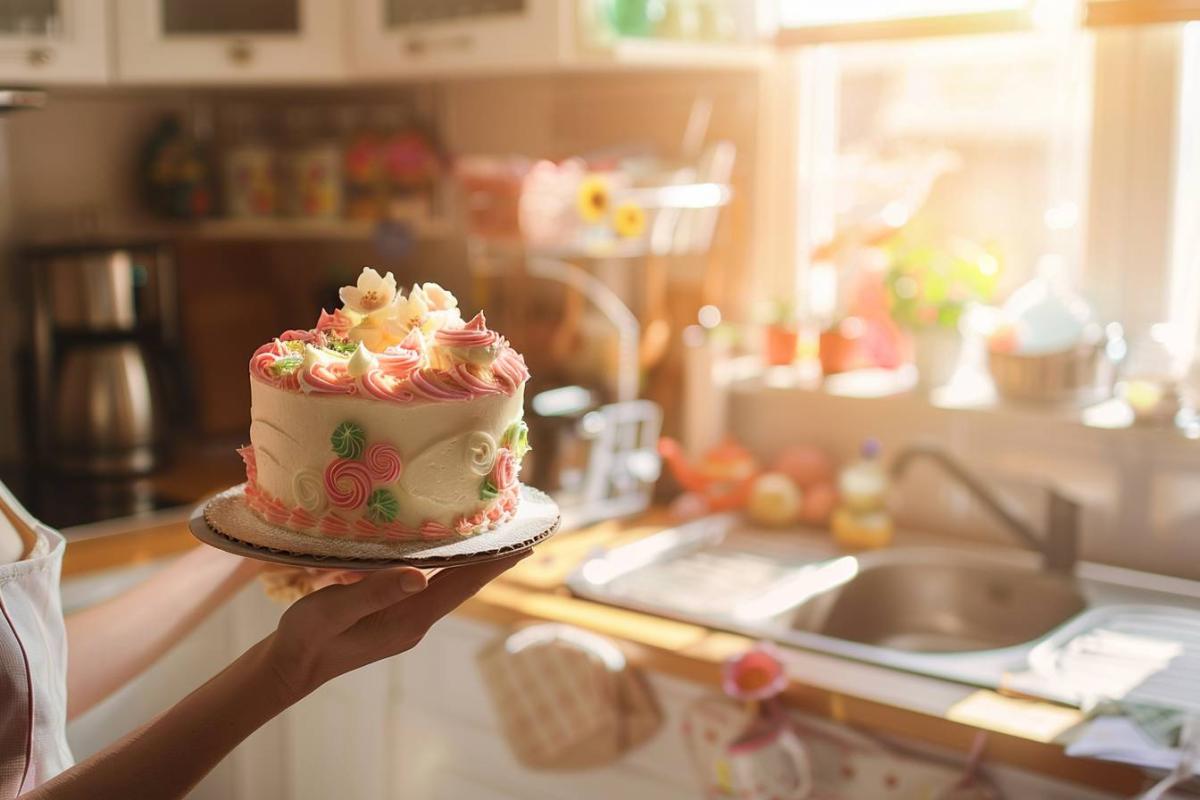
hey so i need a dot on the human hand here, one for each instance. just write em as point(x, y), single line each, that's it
point(286, 584)
point(343, 627)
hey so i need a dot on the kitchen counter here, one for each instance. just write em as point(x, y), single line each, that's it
point(1023, 733)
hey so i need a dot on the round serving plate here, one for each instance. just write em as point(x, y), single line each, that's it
point(225, 521)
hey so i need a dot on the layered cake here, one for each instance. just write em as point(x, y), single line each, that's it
point(393, 419)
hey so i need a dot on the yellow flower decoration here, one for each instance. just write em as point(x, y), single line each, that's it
point(629, 220)
point(592, 199)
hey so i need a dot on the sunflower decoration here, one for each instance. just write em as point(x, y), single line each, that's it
point(593, 198)
point(629, 220)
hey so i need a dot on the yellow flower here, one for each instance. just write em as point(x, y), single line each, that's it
point(593, 198)
point(629, 220)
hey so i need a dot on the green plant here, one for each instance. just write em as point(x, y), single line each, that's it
point(930, 286)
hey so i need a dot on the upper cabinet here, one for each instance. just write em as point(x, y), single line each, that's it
point(399, 38)
point(53, 41)
point(229, 41)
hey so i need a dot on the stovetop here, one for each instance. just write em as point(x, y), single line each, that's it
point(64, 502)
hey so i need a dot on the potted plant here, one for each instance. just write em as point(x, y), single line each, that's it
point(782, 334)
point(929, 287)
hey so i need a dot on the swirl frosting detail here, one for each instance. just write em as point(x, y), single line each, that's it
point(384, 462)
point(309, 490)
point(328, 378)
point(474, 334)
point(481, 452)
point(347, 482)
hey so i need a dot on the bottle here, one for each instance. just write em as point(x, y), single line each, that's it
point(250, 174)
point(362, 170)
point(861, 521)
point(314, 168)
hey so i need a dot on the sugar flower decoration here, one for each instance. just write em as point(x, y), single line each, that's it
point(411, 310)
point(757, 674)
point(371, 294)
point(437, 298)
point(376, 333)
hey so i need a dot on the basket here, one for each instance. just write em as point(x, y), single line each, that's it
point(1064, 376)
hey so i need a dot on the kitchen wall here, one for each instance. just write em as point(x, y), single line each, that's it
point(71, 170)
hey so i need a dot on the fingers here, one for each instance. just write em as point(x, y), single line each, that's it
point(340, 606)
point(447, 590)
point(320, 578)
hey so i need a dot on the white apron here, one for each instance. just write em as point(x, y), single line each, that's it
point(33, 663)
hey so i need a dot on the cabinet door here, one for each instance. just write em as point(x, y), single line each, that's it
point(229, 41)
point(53, 41)
point(398, 38)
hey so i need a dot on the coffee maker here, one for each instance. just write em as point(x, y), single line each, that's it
point(105, 339)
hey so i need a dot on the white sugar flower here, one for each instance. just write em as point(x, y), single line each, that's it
point(377, 332)
point(437, 298)
point(411, 310)
point(372, 293)
point(439, 308)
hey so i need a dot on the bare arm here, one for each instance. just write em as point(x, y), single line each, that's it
point(326, 634)
point(111, 642)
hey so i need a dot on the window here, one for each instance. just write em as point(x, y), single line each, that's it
point(1068, 144)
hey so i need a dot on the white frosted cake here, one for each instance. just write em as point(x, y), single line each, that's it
point(393, 419)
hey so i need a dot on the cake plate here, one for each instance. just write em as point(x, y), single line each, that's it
point(225, 521)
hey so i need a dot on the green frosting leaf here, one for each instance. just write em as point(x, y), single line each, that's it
point(516, 439)
point(343, 347)
point(286, 365)
point(382, 506)
point(488, 490)
point(348, 440)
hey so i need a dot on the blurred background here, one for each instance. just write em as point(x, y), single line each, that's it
point(752, 252)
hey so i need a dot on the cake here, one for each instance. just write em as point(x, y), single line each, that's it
point(393, 419)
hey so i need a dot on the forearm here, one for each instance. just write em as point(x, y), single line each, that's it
point(113, 641)
point(168, 756)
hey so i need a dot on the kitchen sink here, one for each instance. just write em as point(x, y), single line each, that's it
point(925, 601)
point(937, 606)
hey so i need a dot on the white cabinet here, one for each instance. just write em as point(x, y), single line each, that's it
point(401, 38)
point(229, 41)
point(54, 41)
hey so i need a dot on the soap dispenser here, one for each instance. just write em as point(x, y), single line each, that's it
point(861, 520)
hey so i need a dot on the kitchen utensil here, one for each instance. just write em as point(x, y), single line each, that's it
point(227, 523)
point(105, 355)
point(106, 418)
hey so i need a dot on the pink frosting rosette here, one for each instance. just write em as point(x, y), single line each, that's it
point(338, 323)
point(347, 482)
point(504, 471)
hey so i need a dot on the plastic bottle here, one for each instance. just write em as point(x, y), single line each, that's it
point(861, 521)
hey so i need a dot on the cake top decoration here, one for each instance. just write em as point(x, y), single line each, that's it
point(386, 346)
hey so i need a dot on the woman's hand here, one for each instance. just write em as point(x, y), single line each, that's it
point(288, 584)
point(346, 626)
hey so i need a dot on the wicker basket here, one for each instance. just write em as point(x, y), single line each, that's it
point(1061, 377)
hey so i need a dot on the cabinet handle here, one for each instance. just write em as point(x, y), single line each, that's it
point(240, 52)
point(421, 46)
point(39, 56)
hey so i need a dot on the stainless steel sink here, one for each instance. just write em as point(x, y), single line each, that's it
point(932, 605)
point(926, 601)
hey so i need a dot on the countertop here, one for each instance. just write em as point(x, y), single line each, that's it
point(1023, 733)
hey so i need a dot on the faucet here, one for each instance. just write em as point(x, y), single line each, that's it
point(1058, 547)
